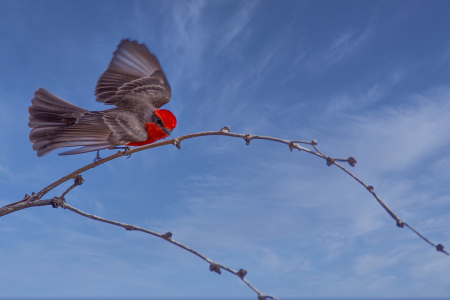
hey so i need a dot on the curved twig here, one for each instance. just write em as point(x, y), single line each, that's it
point(168, 237)
point(35, 199)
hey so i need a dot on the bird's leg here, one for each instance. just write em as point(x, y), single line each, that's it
point(125, 150)
point(97, 158)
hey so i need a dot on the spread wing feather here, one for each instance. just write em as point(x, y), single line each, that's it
point(135, 71)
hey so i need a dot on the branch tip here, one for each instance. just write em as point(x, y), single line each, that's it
point(215, 267)
point(352, 161)
point(167, 235)
point(241, 273)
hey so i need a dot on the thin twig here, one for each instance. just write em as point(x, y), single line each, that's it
point(35, 199)
point(167, 236)
point(226, 132)
point(399, 222)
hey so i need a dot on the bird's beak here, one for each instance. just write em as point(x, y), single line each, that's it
point(167, 130)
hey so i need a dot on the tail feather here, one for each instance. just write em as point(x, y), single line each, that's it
point(52, 103)
point(52, 120)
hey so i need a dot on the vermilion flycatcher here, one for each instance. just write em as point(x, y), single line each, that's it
point(134, 82)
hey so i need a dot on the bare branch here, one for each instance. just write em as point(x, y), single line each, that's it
point(399, 222)
point(36, 199)
point(213, 266)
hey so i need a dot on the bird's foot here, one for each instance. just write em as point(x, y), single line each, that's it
point(97, 158)
point(125, 150)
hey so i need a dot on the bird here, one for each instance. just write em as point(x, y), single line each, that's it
point(134, 82)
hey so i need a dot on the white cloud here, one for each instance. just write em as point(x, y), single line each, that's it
point(370, 264)
point(397, 138)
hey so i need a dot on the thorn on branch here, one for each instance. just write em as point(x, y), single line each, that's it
point(225, 129)
point(400, 223)
point(177, 143)
point(215, 267)
point(352, 161)
point(370, 188)
point(248, 137)
point(330, 161)
point(167, 235)
point(58, 202)
point(26, 197)
point(78, 180)
point(241, 273)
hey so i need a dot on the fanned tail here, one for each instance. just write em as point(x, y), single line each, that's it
point(54, 123)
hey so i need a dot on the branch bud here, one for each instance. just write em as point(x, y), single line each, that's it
point(58, 202)
point(78, 180)
point(177, 143)
point(241, 273)
point(167, 235)
point(292, 145)
point(352, 161)
point(215, 267)
point(248, 138)
point(330, 161)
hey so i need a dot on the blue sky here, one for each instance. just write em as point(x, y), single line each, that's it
point(367, 79)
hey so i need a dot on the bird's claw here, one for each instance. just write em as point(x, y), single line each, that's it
point(125, 150)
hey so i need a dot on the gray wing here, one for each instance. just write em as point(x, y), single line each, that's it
point(125, 128)
point(135, 71)
point(113, 126)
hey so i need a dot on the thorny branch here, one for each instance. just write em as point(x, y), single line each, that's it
point(36, 199)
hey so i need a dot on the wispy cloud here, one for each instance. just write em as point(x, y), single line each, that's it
point(351, 103)
point(235, 25)
point(343, 45)
point(370, 264)
point(407, 134)
point(187, 36)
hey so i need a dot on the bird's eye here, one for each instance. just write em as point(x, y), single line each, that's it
point(159, 121)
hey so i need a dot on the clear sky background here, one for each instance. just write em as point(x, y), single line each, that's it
point(365, 78)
